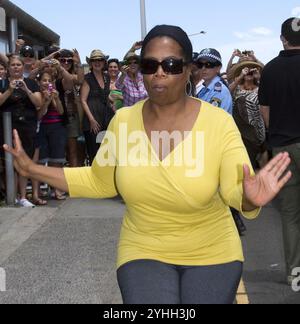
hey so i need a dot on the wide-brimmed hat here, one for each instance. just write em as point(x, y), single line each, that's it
point(132, 56)
point(239, 67)
point(97, 55)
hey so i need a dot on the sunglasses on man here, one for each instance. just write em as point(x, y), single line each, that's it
point(207, 65)
point(170, 66)
point(28, 55)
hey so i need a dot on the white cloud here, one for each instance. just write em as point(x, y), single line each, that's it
point(253, 34)
point(241, 35)
point(261, 31)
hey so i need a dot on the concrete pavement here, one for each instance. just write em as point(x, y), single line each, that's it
point(67, 254)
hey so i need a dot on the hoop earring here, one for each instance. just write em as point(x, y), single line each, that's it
point(189, 89)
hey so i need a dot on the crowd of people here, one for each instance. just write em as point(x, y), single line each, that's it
point(59, 110)
point(177, 230)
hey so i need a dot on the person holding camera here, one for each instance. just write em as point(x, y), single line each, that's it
point(131, 81)
point(22, 98)
point(246, 109)
point(52, 136)
point(243, 56)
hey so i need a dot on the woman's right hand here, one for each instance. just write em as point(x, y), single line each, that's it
point(95, 127)
point(22, 162)
point(12, 86)
point(244, 72)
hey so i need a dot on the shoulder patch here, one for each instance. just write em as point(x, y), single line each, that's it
point(216, 102)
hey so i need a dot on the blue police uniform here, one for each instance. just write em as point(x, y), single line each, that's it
point(217, 94)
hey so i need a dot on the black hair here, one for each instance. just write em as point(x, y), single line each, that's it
point(174, 32)
point(290, 30)
point(65, 53)
point(113, 61)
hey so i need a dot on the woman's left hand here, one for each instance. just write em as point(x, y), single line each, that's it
point(76, 56)
point(262, 188)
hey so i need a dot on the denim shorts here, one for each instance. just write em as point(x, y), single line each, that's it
point(52, 142)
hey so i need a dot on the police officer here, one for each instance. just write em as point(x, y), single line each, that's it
point(215, 91)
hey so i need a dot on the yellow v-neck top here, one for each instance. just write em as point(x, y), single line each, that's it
point(178, 209)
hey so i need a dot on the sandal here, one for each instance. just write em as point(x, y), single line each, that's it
point(40, 202)
point(60, 196)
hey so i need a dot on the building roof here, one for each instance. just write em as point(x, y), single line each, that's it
point(27, 22)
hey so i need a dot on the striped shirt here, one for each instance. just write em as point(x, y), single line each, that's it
point(133, 91)
point(52, 116)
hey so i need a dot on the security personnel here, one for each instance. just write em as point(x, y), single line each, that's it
point(215, 91)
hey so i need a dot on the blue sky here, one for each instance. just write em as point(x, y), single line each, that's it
point(113, 26)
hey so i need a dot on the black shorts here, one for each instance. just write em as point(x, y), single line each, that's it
point(27, 133)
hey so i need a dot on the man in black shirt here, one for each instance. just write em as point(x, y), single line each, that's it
point(279, 96)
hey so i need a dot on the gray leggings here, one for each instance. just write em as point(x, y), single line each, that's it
point(147, 282)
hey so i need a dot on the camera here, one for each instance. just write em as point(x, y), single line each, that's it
point(123, 63)
point(19, 84)
point(247, 53)
point(50, 62)
point(50, 87)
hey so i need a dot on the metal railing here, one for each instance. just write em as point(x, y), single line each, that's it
point(9, 162)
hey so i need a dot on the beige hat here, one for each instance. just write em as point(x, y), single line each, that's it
point(238, 68)
point(132, 56)
point(97, 55)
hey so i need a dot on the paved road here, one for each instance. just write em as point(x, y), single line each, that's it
point(66, 254)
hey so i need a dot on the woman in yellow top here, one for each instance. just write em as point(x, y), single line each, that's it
point(179, 243)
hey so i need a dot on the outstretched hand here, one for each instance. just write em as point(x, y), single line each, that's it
point(262, 188)
point(22, 162)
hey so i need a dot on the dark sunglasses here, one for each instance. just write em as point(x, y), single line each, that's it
point(66, 61)
point(170, 66)
point(206, 65)
point(28, 55)
point(97, 60)
point(133, 62)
